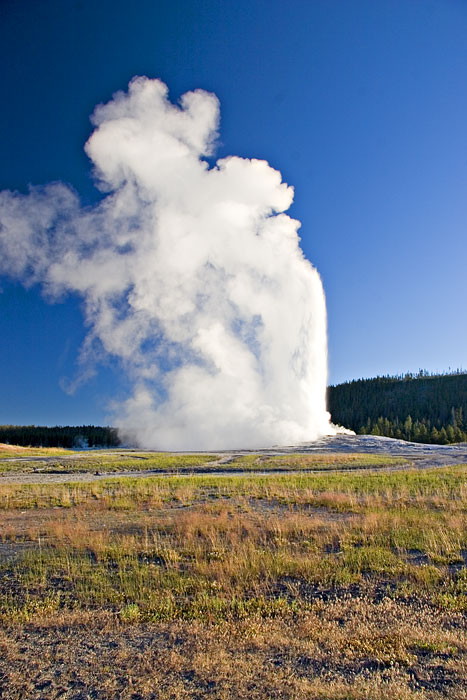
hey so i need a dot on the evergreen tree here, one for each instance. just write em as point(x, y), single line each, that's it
point(406, 407)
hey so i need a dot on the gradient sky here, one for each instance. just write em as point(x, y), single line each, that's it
point(361, 105)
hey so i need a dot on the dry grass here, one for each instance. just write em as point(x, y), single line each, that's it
point(345, 586)
point(8, 451)
point(348, 649)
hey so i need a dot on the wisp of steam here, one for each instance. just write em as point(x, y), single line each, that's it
point(190, 274)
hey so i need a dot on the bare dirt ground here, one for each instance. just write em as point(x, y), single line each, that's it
point(307, 658)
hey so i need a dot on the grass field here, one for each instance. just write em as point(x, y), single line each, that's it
point(9, 451)
point(344, 584)
point(83, 462)
point(67, 462)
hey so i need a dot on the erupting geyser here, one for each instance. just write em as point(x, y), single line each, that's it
point(191, 275)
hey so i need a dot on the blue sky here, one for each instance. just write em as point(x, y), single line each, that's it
point(361, 105)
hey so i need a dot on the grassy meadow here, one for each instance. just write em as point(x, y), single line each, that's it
point(107, 462)
point(347, 582)
point(12, 451)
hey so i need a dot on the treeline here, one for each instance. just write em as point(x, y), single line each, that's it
point(430, 408)
point(59, 436)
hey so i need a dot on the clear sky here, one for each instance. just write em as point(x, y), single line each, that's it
point(361, 105)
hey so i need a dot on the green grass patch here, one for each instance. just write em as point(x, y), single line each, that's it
point(347, 492)
point(84, 462)
point(122, 461)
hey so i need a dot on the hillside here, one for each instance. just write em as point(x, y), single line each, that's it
point(422, 407)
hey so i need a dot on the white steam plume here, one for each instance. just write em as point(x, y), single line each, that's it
point(191, 275)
